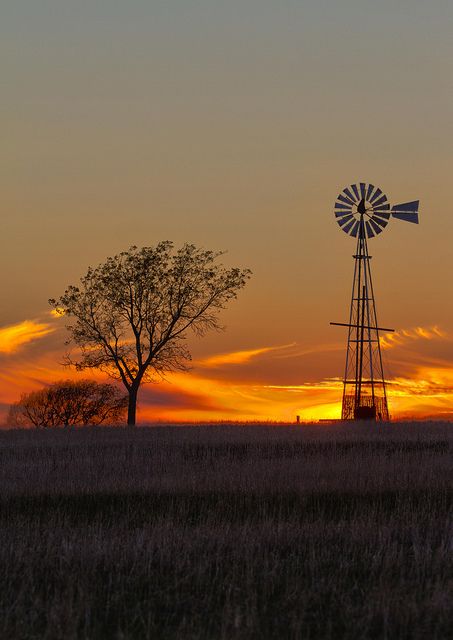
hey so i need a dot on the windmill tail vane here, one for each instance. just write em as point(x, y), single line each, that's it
point(407, 211)
point(363, 211)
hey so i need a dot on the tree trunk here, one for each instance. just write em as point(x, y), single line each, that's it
point(132, 407)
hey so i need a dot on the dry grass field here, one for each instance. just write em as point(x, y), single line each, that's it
point(227, 532)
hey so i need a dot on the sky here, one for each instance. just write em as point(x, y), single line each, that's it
point(232, 125)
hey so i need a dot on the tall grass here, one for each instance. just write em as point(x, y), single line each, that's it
point(227, 532)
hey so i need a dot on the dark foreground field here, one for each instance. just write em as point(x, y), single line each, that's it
point(227, 532)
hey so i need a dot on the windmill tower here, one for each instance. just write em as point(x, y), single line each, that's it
point(363, 211)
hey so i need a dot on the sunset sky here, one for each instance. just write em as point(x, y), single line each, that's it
point(232, 125)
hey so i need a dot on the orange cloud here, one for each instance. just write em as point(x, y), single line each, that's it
point(330, 384)
point(429, 382)
point(184, 397)
point(15, 336)
point(181, 399)
point(427, 392)
point(403, 336)
point(420, 387)
point(239, 357)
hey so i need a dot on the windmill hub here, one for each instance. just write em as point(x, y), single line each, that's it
point(361, 207)
point(363, 211)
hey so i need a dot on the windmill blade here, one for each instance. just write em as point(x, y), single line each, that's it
point(380, 202)
point(362, 189)
point(407, 211)
point(380, 221)
point(381, 215)
point(347, 218)
point(342, 210)
point(376, 227)
point(376, 195)
point(356, 191)
point(369, 192)
point(345, 200)
point(350, 195)
point(343, 205)
point(348, 226)
point(382, 210)
point(344, 219)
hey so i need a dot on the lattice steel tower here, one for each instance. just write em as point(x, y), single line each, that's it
point(363, 211)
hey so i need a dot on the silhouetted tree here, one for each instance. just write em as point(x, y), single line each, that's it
point(132, 313)
point(69, 402)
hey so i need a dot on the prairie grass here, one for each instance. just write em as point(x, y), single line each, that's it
point(227, 532)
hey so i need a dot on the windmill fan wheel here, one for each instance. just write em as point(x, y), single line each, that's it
point(362, 206)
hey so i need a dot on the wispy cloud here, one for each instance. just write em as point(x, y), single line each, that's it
point(14, 336)
point(329, 385)
point(239, 357)
point(404, 336)
point(429, 382)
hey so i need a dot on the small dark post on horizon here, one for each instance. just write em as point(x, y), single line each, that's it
point(363, 211)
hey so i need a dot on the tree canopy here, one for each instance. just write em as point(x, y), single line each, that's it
point(129, 317)
point(68, 403)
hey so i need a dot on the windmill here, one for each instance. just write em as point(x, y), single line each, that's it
point(363, 211)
